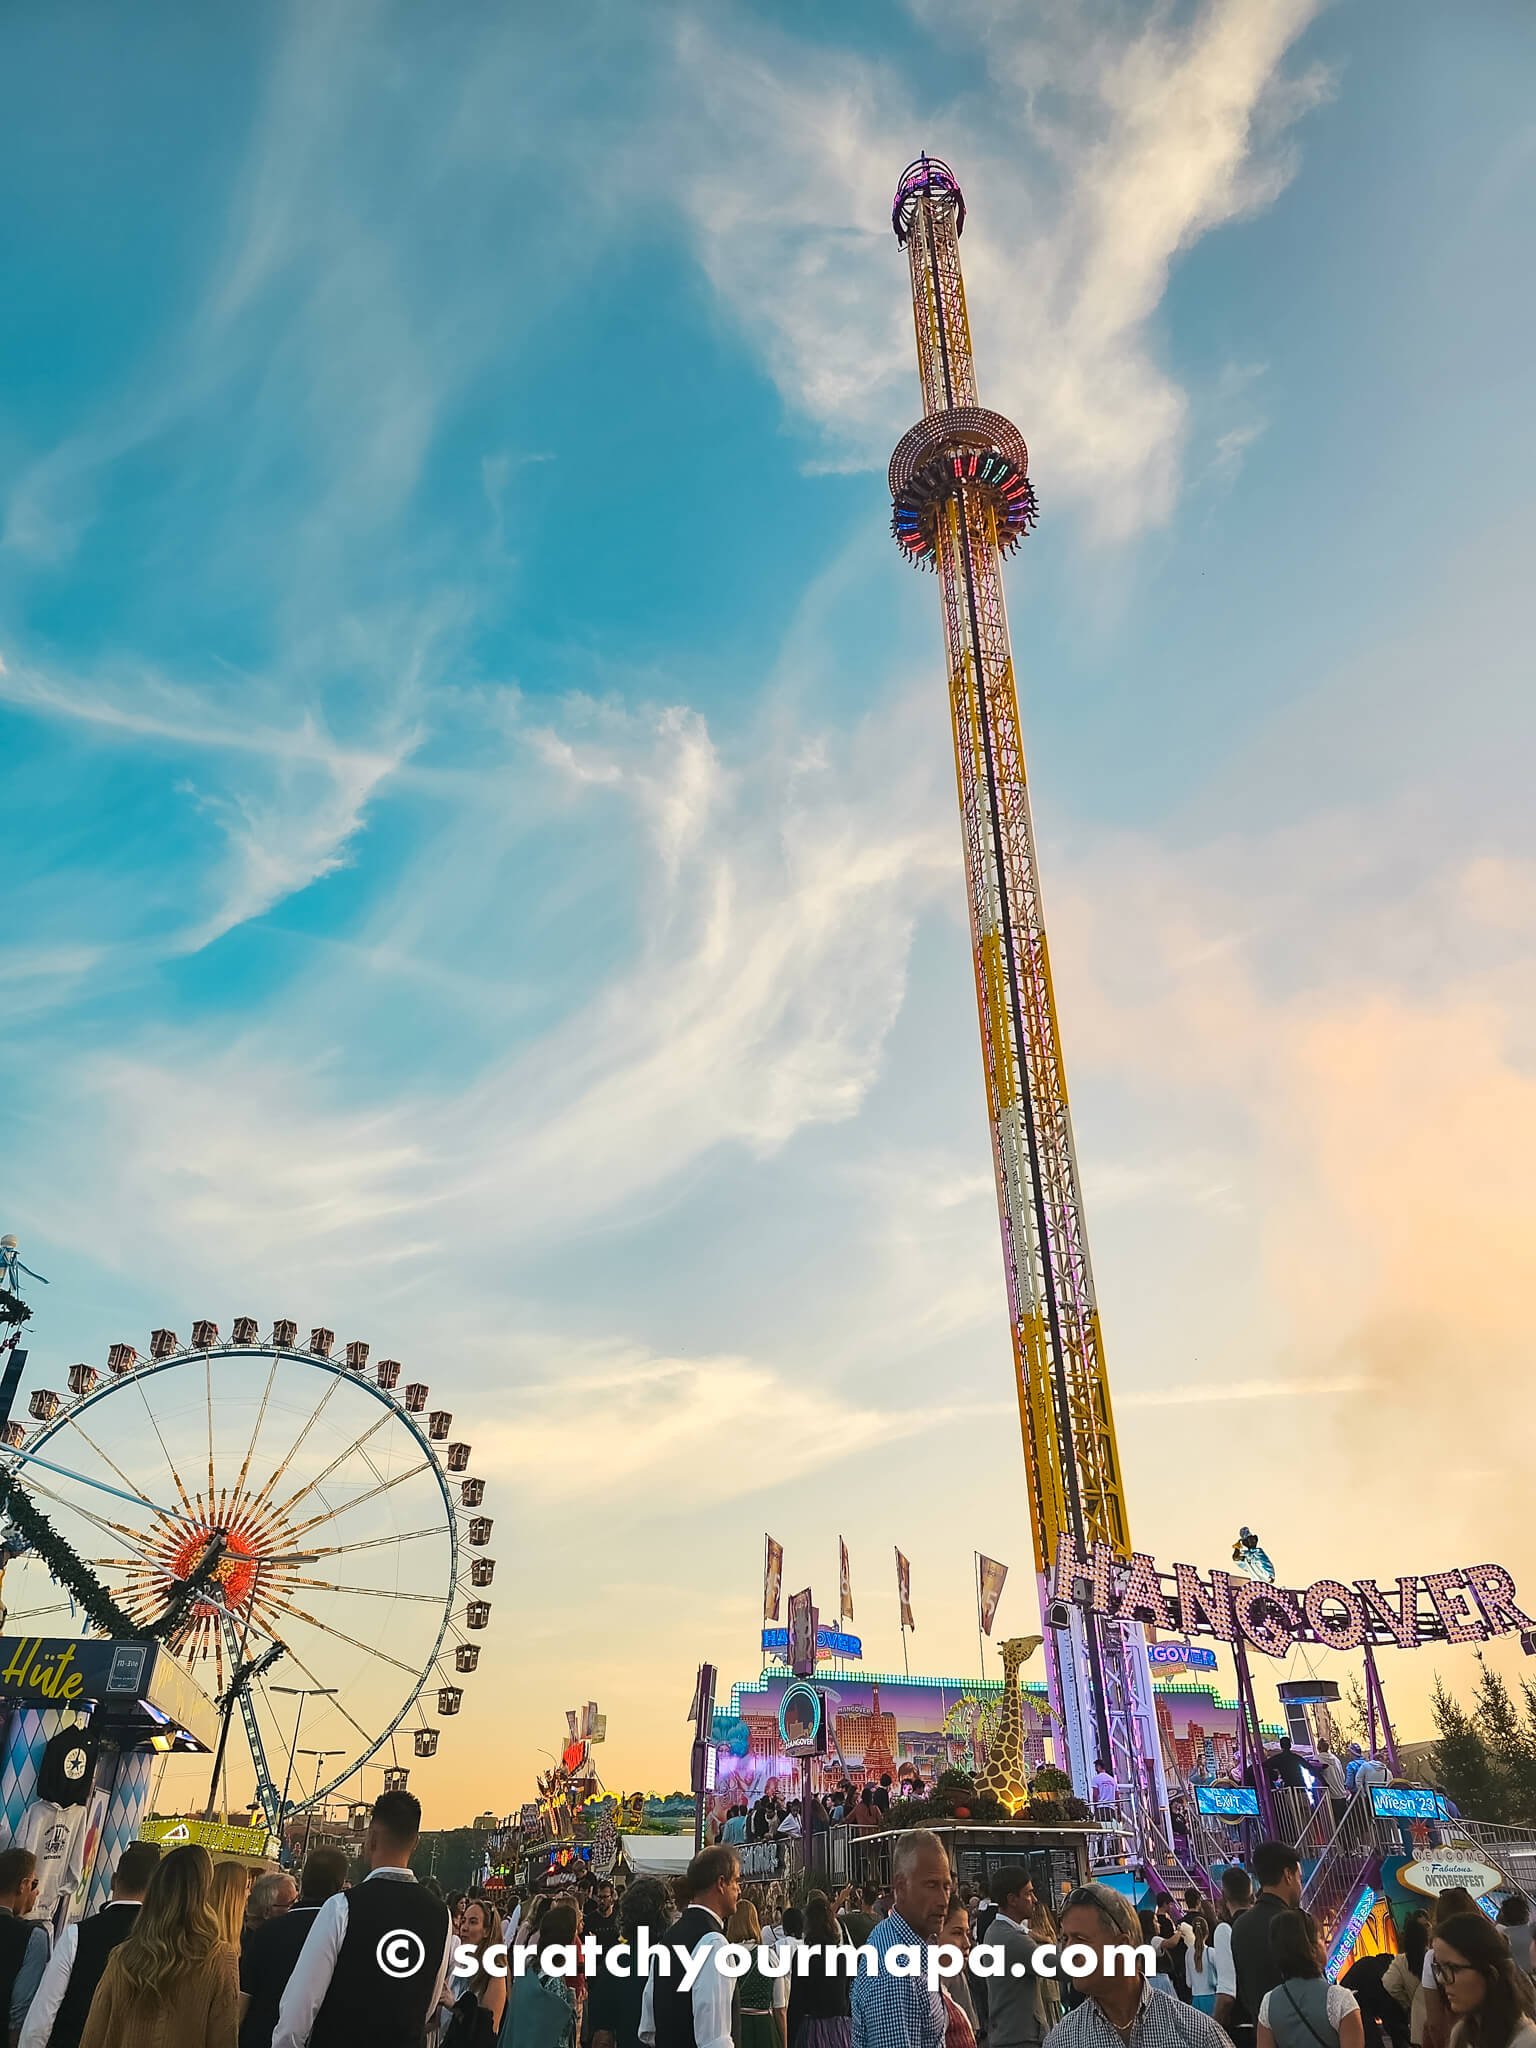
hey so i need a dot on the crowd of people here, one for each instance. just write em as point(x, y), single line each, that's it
point(769, 1818)
point(1243, 1970)
point(191, 1954)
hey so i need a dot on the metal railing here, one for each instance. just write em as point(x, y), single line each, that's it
point(1506, 1848)
point(1517, 1843)
point(1320, 1826)
point(1351, 1850)
point(1361, 1837)
point(1158, 1853)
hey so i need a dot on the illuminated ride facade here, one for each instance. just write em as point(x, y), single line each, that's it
point(961, 500)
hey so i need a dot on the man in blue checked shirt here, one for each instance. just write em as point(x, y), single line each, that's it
point(906, 2011)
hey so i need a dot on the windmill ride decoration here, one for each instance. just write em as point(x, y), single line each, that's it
point(285, 1519)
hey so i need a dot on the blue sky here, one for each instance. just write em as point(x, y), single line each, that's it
point(482, 870)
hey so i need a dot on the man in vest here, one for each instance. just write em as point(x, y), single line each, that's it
point(695, 2015)
point(57, 2015)
point(375, 1962)
point(24, 1943)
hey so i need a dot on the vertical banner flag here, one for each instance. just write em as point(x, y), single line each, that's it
point(588, 1717)
point(570, 1722)
point(802, 1634)
point(844, 1583)
point(904, 1590)
point(701, 1713)
point(773, 1578)
point(599, 1729)
point(989, 1585)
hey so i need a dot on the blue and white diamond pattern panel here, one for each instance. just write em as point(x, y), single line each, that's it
point(125, 1810)
point(30, 1731)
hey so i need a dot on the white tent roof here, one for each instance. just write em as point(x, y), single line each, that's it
point(658, 1855)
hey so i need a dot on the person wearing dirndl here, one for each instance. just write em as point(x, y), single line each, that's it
point(818, 1992)
point(762, 1995)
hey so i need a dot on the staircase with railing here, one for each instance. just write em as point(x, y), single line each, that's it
point(1343, 1862)
point(1159, 1854)
point(1345, 1855)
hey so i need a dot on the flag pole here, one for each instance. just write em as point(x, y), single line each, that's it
point(981, 1655)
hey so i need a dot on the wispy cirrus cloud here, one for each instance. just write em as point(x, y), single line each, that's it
point(770, 966)
point(286, 796)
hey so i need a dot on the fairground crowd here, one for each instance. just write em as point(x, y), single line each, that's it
point(189, 1954)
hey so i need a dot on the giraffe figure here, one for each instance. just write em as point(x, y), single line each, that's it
point(1004, 1771)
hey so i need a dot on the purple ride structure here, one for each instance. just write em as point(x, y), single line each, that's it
point(961, 500)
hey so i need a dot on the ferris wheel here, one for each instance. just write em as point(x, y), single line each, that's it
point(311, 1523)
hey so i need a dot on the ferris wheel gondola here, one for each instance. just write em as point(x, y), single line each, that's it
point(310, 1522)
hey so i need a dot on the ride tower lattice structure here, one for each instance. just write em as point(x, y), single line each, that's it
point(962, 499)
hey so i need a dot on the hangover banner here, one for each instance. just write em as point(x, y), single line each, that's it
point(1466, 1605)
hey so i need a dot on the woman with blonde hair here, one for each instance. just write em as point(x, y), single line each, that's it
point(175, 1982)
point(762, 1998)
point(480, 2000)
point(231, 1891)
point(1043, 1931)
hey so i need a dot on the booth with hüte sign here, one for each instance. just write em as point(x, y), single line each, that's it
point(84, 1721)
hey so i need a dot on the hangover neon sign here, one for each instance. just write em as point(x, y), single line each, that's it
point(1467, 1605)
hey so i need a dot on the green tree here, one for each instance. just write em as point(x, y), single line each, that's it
point(1352, 1720)
point(1508, 1739)
point(1464, 1764)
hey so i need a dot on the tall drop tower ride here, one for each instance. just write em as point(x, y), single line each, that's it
point(962, 500)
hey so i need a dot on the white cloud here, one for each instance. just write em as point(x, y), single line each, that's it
point(771, 963)
point(1215, 1393)
point(664, 1430)
point(288, 798)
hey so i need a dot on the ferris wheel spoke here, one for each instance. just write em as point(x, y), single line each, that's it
point(292, 1452)
point(340, 1459)
point(35, 1613)
point(131, 1485)
point(373, 1592)
point(369, 1649)
point(411, 1472)
point(208, 1383)
point(376, 1542)
point(345, 1712)
point(97, 1521)
point(186, 1501)
point(250, 1450)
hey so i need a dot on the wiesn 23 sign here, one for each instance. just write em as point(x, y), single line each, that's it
point(1467, 1605)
